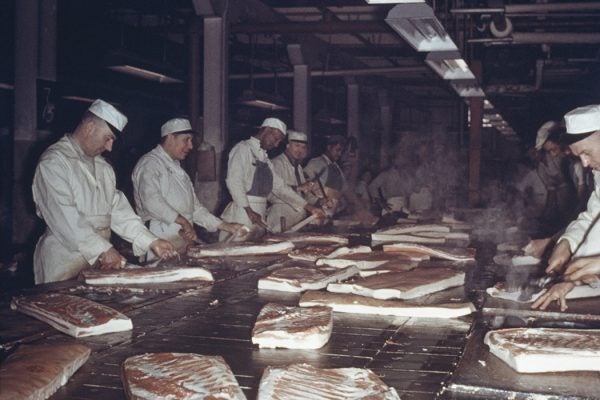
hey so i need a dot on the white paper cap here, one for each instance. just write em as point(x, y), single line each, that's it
point(543, 133)
point(297, 136)
point(275, 123)
point(583, 120)
point(108, 113)
point(176, 125)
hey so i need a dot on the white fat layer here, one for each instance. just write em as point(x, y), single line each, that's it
point(437, 311)
point(342, 251)
point(222, 250)
point(152, 276)
point(313, 279)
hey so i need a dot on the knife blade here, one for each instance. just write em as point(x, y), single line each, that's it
point(535, 285)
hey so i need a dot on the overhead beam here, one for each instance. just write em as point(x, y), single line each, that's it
point(350, 27)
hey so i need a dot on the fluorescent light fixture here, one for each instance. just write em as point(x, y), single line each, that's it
point(144, 73)
point(268, 101)
point(449, 65)
point(418, 25)
point(394, 1)
point(468, 88)
point(6, 86)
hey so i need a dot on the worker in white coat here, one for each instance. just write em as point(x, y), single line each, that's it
point(74, 190)
point(391, 188)
point(164, 194)
point(280, 215)
point(577, 252)
point(251, 179)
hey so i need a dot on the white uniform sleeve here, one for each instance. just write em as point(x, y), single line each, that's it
point(127, 224)
point(375, 185)
point(146, 183)
point(577, 229)
point(315, 167)
point(56, 205)
point(204, 218)
point(285, 193)
point(240, 159)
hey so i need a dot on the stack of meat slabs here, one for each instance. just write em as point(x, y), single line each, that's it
point(300, 278)
point(423, 233)
point(402, 285)
point(36, 372)
point(535, 350)
point(299, 238)
point(72, 315)
point(305, 382)
point(355, 304)
point(179, 376)
point(141, 275)
point(369, 260)
point(312, 252)
point(451, 254)
point(279, 326)
point(238, 249)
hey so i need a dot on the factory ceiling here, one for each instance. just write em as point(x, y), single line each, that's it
point(538, 59)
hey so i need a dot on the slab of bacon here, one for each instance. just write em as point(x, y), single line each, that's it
point(454, 254)
point(300, 278)
point(309, 238)
point(143, 275)
point(239, 249)
point(72, 315)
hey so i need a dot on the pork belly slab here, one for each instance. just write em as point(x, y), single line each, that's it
point(143, 275)
point(312, 252)
point(305, 382)
point(36, 372)
point(299, 278)
point(292, 327)
point(354, 304)
point(454, 254)
point(531, 350)
point(179, 376)
point(239, 249)
point(72, 315)
point(367, 260)
point(402, 285)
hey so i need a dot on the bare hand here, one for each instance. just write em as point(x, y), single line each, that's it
point(560, 256)
point(316, 211)
point(557, 293)
point(187, 230)
point(536, 247)
point(254, 217)
point(111, 259)
point(163, 249)
point(582, 267)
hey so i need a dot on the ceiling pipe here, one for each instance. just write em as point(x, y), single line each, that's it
point(339, 72)
point(313, 27)
point(525, 8)
point(554, 38)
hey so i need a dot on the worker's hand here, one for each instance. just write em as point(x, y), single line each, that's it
point(163, 249)
point(187, 230)
point(557, 293)
point(560, 256)
point(111, 259)
point(306, 187)
point(583, 269)
point(537, 247)
point(233, 228)
point(316, 211)
point(254, 217)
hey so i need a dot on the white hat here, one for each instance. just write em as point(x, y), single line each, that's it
point(176, 125)
point(543, 133)
point(583, 120)
point(275, 123)
point(297, 136)
point(108, 113)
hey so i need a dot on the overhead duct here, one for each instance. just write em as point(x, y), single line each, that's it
point(554, 38)
point(515, 9)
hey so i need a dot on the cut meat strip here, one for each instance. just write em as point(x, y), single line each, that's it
point(239, 249)
point(305, 382)
point(311, 252)
point(386, 238)
point(179, 376)
point(36, 372)
point(292, 327)
point(142, 275)
point(368, 260)
point(413, 228)
point(309, 238)
point(402, 285)
point(354, 304)
point(533, 350)
point(72, 315)
point(299, 279)
point(578, 292)
point(454, 254)
point(346, 251)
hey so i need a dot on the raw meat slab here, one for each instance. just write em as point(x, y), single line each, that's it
point(142, 275)
point(455, 254)
point(36, 372)
point(311, 252)
point(239, 249)
point(292, 327)
point(299, 278)
point(367, 260)
point(309, 238)
point(412, 228)
point(387, 238)
point(72, 315)
point(402, 285)
point(178, 376)
point(354, 304)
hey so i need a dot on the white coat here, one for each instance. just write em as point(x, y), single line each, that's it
point(319, 167)
point(283, 167)
point(76, 195)
point(395, 187)
point(240, 175)
point(162, 191)
point(583, 234)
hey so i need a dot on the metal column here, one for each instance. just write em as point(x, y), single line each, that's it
point(386, 129)
point(302, 99)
